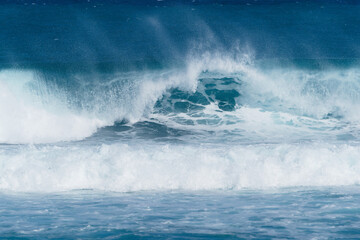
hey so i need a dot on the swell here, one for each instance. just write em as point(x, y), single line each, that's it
point(146, 33)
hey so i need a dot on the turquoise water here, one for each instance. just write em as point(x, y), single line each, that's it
point(179, 119)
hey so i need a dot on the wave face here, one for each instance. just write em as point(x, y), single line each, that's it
point(121, 96)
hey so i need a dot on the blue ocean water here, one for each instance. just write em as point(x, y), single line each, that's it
point(280, 214)
point(179, 119)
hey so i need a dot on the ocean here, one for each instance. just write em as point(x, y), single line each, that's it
point(185, 119)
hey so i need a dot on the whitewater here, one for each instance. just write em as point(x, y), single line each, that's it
point(277, 129)
point(179, 120)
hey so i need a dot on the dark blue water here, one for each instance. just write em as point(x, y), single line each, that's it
point(147, 34)
point(179, 119)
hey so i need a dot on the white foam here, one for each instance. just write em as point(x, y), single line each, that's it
point(25, 119)
point(256, 125)
point(122, 167)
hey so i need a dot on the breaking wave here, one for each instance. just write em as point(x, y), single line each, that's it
point(212, 90)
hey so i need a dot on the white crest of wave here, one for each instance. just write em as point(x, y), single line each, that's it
point(122, 167)
point(43, 115)
point(25, 119)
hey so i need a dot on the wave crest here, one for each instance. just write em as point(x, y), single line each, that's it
point(39, 107)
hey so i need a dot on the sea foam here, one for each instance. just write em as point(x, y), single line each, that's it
point(33, 117)
point(139, 167)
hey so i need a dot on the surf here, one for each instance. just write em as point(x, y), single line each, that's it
point(214, 89)
point(134, 166)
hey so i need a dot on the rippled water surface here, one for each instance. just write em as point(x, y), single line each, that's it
point(320, 213)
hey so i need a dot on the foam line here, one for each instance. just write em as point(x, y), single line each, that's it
point(127, 167)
